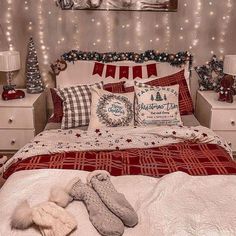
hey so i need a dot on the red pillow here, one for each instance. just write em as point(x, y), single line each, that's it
point(115, 87)
point(58, 103)
point(185, 100)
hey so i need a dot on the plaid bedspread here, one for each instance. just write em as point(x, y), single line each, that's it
point(194, 159)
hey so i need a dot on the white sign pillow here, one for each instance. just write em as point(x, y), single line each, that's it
point(111, 109)
point(157, 105)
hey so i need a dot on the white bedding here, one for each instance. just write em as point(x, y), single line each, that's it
point(175, 205)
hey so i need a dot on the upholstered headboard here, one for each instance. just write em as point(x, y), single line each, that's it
point(77, 67)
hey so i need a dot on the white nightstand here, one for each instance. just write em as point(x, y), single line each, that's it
point(216, 115)
point(21, 120)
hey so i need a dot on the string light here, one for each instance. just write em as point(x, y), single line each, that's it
point(162, 29)
point(9, 27)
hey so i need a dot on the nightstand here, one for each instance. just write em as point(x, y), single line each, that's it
point(216, 115)
point(21, 120)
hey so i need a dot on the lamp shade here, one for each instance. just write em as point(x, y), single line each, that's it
point(230, 65)
point(9, 61)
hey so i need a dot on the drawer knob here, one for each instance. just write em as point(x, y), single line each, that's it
point(232, 122)
point(10, 120)
point(13, 142)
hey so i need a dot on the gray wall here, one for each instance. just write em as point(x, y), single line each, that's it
point(200, 26)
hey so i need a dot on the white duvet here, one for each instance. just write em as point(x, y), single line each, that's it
point(175, 205)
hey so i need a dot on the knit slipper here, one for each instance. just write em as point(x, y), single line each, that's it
point(106, 223)
point(115, 201)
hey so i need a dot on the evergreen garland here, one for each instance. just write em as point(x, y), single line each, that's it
point(177, 59)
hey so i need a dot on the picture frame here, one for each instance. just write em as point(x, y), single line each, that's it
point(120, 5)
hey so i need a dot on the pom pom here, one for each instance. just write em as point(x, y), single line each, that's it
point(22, 216)
point(60, 196)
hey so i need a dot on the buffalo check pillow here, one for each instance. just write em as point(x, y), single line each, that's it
point(76, 105)
point(157, 105)
point(111, 109)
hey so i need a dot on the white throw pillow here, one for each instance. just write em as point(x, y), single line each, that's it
point(111, 109)
point(157, 105)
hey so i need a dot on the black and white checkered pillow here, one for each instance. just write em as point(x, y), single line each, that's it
point(76, 105)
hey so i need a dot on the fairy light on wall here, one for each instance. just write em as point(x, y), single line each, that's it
point(167, 31)
point(109, 30)
point(224, 27)
point(41, 36)
point(197, 24)
point(138, 34)
point(9, 25)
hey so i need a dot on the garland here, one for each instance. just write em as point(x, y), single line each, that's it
point(177, 59)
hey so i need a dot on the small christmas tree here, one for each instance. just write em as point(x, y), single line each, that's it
point(34, 83)
point(158, 97)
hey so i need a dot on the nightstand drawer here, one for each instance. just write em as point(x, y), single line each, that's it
point(223, 120)
point(230, 137)
point(15, 139)
point(16, 118)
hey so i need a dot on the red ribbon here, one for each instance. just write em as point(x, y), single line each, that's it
point(137, 72)
point(98, 68)
point(151, 70)
point(111, 71)
point(124, 72)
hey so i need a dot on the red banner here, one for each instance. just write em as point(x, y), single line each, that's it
point(98, 68)
point(124, 72)
point(137, 72)
point(111, 71)
point(151, 70)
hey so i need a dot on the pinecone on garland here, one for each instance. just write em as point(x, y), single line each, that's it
point(34, 83)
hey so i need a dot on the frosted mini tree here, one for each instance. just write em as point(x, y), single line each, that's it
point(34, 83)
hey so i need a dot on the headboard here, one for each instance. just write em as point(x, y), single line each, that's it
point(76, 67)
point(79, 67)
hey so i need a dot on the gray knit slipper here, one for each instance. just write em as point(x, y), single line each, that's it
point(115, 201)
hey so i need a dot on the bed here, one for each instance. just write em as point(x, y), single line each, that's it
point(179, 179)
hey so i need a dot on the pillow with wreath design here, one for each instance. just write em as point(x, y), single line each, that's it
point(157, 105)
point(111, 109)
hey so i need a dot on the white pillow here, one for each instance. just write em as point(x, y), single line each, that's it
point(111, 109)
point(157, 105)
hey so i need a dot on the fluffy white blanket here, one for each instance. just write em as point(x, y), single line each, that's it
point(175, 205)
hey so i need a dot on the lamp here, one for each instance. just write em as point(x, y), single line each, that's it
point(10, 62)
point(230, 65)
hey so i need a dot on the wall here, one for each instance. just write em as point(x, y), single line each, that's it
point(203, 27)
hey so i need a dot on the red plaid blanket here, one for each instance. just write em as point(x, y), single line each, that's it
point(194, 159)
